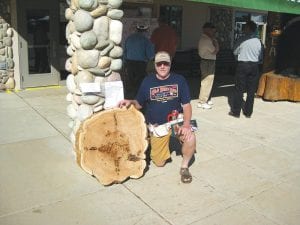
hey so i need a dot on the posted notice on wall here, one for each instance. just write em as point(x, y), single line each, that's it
point(114, 93)
point(90, 87)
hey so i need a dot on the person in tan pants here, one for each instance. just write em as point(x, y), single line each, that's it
point(208, 48)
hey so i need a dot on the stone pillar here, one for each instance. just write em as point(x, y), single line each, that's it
point(7, 81)
point(94, 34)
point(222, 19)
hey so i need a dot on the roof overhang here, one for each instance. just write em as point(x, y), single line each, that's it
point(283, 6)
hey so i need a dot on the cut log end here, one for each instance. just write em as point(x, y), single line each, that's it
point(275, 87)
point(111, 145)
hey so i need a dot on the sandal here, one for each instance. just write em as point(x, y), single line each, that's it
point(186, 176)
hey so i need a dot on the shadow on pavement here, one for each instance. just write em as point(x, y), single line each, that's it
point(223, 86)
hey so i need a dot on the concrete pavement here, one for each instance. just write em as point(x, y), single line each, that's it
point(246, 171)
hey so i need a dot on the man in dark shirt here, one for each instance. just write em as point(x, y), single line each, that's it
point(138, 50)
point(249, 53)
point(160, 94)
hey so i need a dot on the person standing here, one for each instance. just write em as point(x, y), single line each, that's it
point(208, 48)
point(249, 51)
point(160, 94)
point(164, 38)
point(138, 50)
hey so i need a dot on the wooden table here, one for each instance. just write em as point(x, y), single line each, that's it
point(275, 87)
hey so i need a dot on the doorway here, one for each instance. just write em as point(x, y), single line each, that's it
point(38, 23)
point(173, 16)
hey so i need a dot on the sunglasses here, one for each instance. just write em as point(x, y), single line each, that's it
point(158, 64)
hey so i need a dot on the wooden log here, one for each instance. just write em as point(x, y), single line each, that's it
point(111, 145)
point(294, 89)
point(261, 85)
point(275, 87)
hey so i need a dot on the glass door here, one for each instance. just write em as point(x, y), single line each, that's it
point(38, 42)
point(38, 26)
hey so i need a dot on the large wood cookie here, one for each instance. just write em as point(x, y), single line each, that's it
point(111, 145)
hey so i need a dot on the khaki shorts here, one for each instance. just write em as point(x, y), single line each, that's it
point(160, 151)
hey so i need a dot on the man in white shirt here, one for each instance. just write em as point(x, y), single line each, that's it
point(208, 48)
point(249, 51)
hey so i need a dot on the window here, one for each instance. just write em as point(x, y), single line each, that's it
point(242, 17)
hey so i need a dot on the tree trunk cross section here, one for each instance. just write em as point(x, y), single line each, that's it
point(275, 87)
point(111, 145)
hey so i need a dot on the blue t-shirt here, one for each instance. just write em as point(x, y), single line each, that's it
point(160, 97)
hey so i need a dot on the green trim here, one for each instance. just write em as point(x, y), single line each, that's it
point(283, 6)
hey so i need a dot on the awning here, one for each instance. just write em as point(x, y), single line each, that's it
point(283, 6)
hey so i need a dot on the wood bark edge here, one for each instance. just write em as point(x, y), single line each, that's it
point(111, 145)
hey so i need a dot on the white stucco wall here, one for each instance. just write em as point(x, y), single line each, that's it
point(194, 16)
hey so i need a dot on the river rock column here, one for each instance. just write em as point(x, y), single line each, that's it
point(7, 81)
point(94, 34)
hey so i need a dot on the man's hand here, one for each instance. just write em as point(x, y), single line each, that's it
point(127, 103)
point(185, 132)
point(124, 102)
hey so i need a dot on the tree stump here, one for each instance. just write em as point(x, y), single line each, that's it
point(275, 87)
point(111, 145)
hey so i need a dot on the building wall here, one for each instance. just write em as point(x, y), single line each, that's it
point(194, 16)
point(7, 63)
point(13, 12)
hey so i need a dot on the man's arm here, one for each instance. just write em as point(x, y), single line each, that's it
point(187, 114)
point(185, 130)
point(236, 49)
point(216, 45)
point(207, 46)
point(127, 103)
point(237, 45)
point(150, 51)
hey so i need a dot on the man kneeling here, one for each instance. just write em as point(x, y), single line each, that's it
point(160, 94)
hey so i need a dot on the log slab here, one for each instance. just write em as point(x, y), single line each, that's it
point(275, 87)
point(111, 145)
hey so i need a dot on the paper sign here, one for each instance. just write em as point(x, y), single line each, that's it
point(90, 87)
point(113, 94)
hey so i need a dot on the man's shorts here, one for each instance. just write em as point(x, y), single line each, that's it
point(160, 151)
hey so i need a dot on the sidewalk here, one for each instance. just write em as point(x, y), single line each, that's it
point(246, 171)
